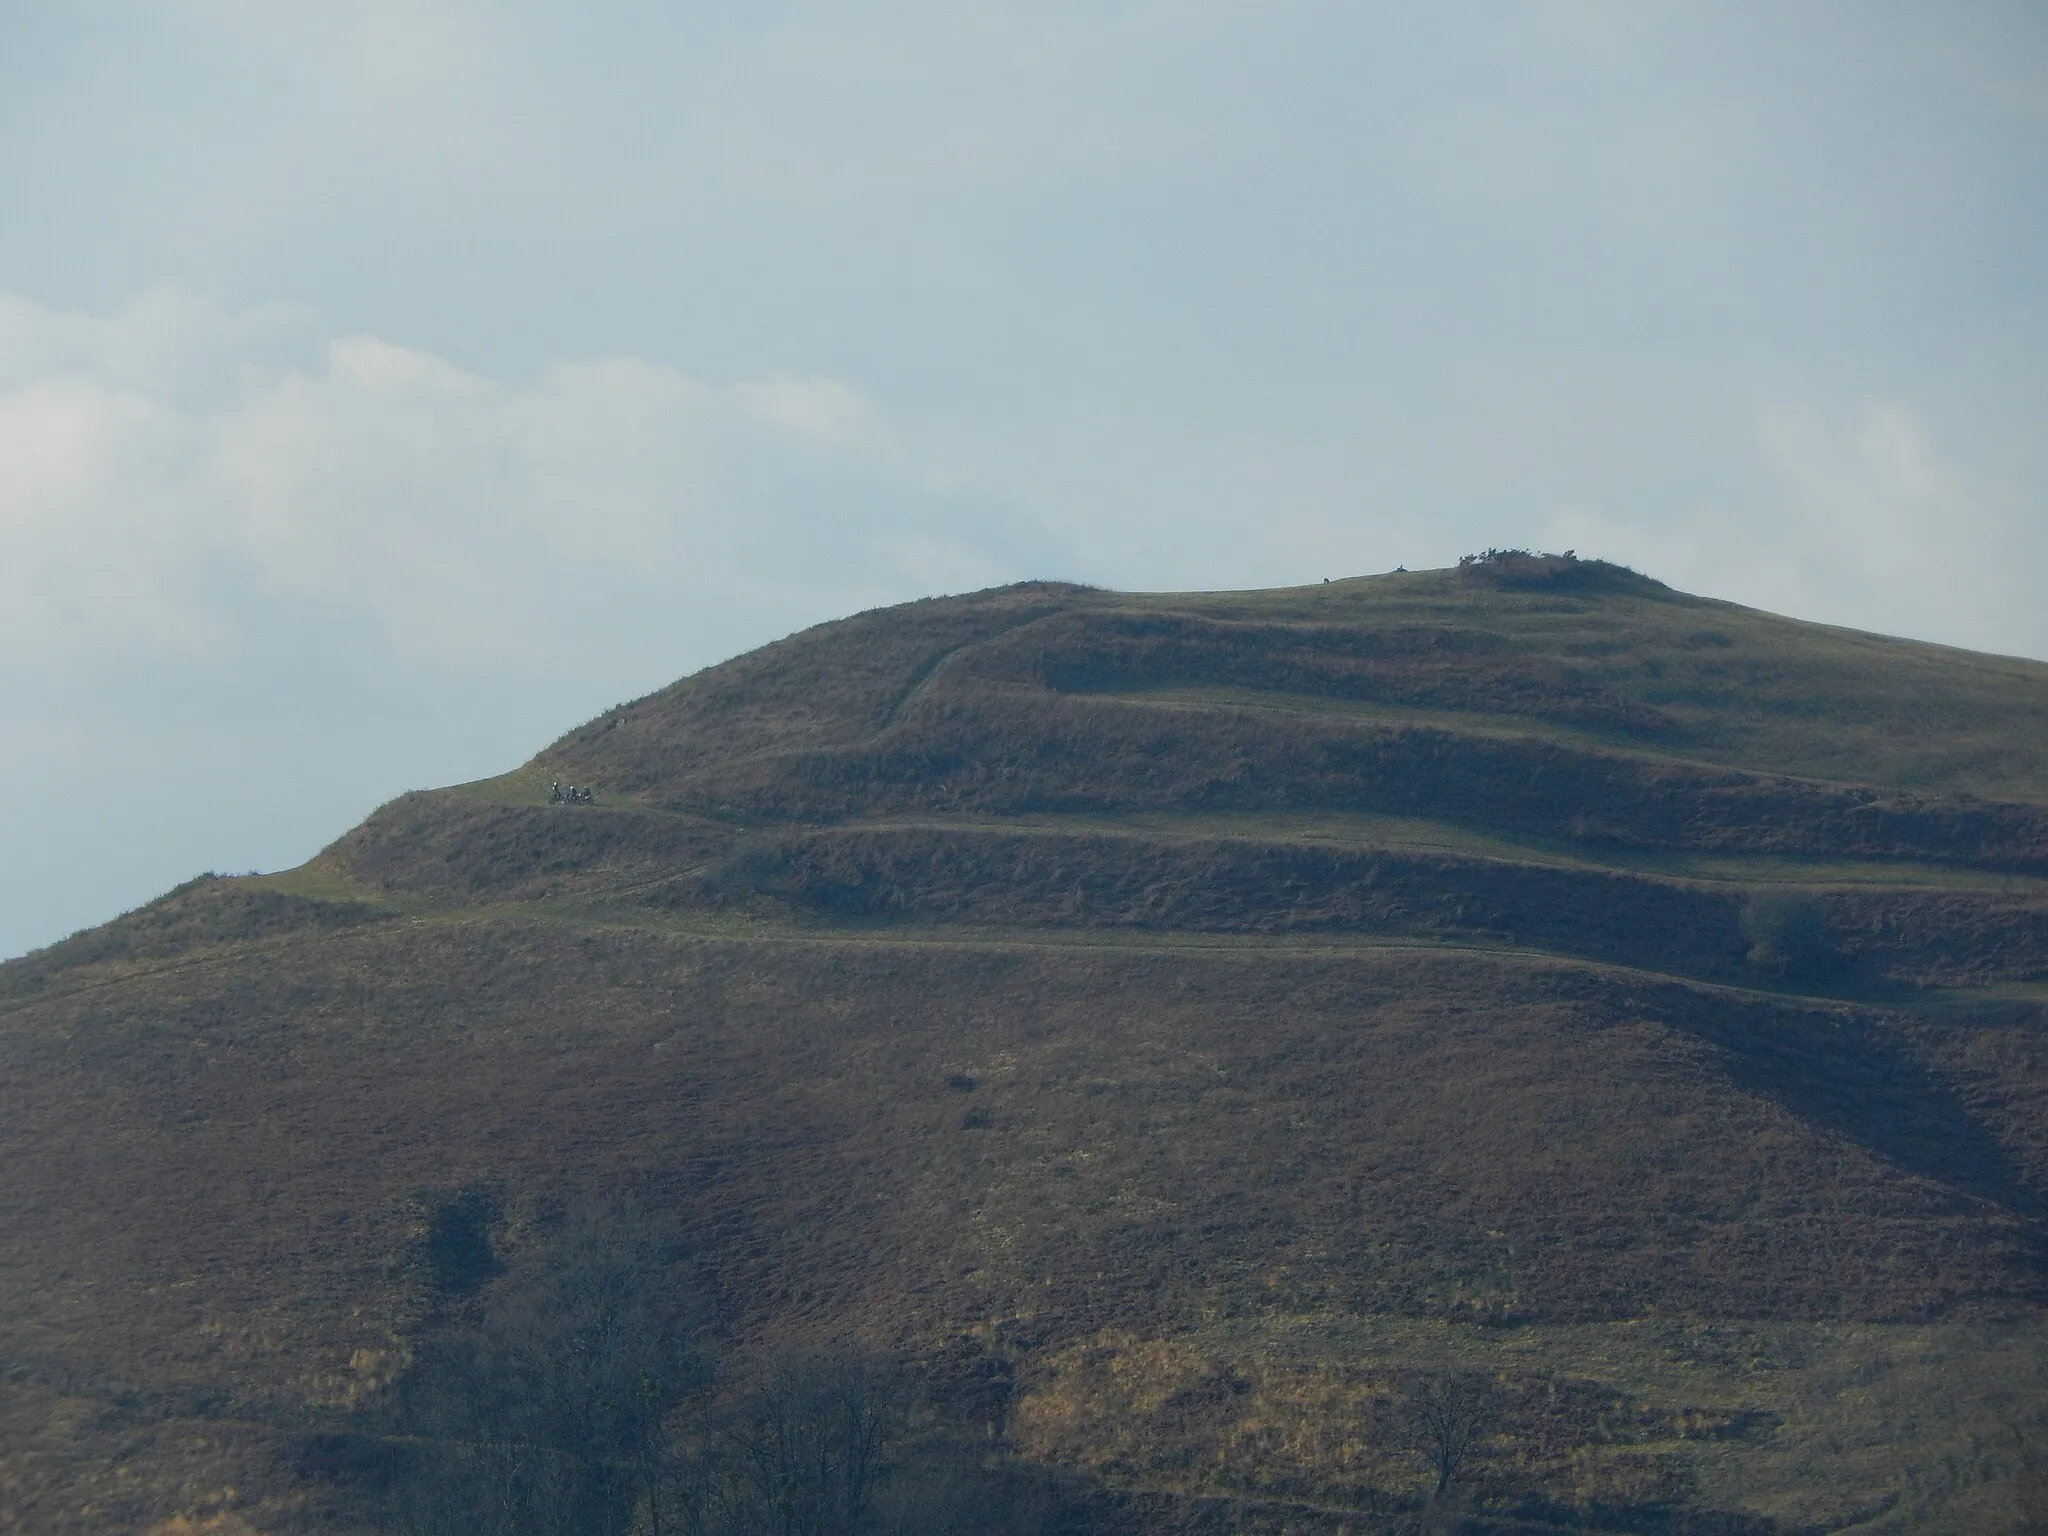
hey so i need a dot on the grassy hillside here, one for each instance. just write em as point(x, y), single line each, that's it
point(1209, 1017)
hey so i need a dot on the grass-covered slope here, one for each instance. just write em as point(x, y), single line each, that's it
point(1205, 1012)
point(1557, 755)
point(1564, 651)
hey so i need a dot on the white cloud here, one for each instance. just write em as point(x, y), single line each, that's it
point(159, 492)
point(1854, 518)
point(255, 577)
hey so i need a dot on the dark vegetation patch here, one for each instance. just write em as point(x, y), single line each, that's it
point(1850, 941)
point(1103, 756)
point(1529, 570)
point(456, 1251)
point(1949, 939)
point(582, 1392)
point(1867, 1077)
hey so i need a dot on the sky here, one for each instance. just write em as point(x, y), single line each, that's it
point(386, 388)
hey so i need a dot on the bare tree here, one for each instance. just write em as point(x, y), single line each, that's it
point(543, 1414)
point(2030, 1478)
point(1445, 1416)
point(803, 1456)
point(560, 1394)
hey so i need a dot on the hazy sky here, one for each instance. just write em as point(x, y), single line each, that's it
point(385, 388)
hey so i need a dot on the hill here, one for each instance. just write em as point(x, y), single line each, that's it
point(1174, 1030)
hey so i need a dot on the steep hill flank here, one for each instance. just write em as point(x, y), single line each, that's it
point(1203, 1017)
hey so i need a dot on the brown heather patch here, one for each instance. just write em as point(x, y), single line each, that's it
point(205, 1525)
point(1161, 1138)
point(1295, 1411)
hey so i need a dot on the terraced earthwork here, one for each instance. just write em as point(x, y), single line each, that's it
point(1204, 1015)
